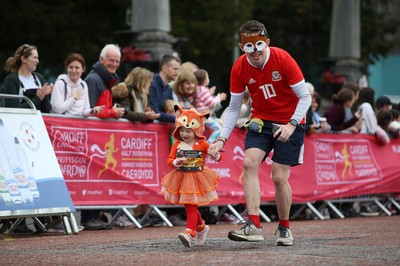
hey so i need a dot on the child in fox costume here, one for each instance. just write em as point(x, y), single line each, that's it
point(191, 183)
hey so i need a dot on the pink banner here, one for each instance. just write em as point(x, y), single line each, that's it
point(110, 162)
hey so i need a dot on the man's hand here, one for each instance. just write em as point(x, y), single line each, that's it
point(284, 132)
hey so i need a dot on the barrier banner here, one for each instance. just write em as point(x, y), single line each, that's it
point(30, 178)
point(117, 162)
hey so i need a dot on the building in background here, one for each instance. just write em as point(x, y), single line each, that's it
point(384, 75)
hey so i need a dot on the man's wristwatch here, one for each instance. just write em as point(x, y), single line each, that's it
point(294, 122)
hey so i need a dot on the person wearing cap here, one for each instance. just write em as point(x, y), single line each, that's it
point(383, 103)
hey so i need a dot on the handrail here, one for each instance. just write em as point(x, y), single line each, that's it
point(20, 97)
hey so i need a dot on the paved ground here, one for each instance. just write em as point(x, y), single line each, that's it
point(351, 241)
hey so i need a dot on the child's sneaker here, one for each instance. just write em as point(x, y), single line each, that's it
point(201, 235)
point(187, 238)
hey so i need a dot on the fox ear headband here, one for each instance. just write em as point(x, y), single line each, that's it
point(254, 43)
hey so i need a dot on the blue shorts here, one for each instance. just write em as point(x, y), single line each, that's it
point(288, 153)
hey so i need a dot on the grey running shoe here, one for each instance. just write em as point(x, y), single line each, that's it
point(201, 236)
point(186, 239)
point(283, 236)
point(249, 232)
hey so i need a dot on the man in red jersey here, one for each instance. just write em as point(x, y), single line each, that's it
point(279, 101)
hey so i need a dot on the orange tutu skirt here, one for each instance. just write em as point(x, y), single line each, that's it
point(186, 187)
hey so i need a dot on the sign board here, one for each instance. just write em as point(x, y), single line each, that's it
point(117, 162)
point(31, 182)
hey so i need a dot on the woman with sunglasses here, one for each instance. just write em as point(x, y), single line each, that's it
point(23, 80)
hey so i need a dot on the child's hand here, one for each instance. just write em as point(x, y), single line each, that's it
point(212, 154)
point(179, 161)
point(222, 96)
point(212, 90)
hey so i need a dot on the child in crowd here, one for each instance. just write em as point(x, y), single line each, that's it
point(206, 103)
point(170, 109)
point(191, 183)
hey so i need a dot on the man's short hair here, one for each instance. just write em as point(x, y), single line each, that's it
point(166, 59)
point(382, 101)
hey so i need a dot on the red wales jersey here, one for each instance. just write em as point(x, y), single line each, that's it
point(272, 97)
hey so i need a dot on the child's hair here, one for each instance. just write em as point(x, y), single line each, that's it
point(201, 76)
point(169, 106)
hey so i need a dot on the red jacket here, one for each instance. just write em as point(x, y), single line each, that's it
point(106, 100)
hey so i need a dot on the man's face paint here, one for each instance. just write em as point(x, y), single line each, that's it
point(254, 43)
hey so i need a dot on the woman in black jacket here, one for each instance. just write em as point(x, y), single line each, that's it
point(23, 80)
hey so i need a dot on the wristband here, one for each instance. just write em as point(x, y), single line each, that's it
point(222, 139)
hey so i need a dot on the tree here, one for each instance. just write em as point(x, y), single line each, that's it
point(58, 28)
point(299, 26)
point(302, 27)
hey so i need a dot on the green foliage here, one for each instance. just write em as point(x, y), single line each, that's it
point(377, 30)
point(59, 27)
point(302, 27)
point(210, 28)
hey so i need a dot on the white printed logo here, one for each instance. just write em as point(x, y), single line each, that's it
point(84, 192)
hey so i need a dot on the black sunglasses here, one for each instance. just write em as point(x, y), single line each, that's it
point(24, 48)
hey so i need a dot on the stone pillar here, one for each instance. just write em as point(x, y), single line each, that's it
point(151, 21)
point(345, 42)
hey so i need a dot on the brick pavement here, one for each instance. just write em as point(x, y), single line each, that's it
point(351, 241)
